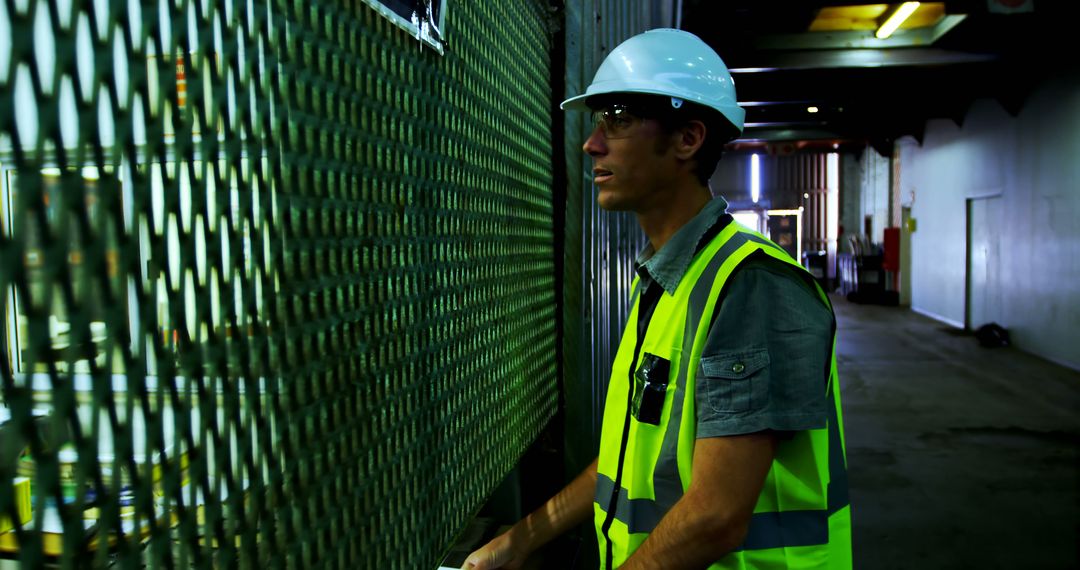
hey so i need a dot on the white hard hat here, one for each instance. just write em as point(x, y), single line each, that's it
point(666, 62)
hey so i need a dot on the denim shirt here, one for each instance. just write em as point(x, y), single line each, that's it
point(767, 310)
point(668, 266)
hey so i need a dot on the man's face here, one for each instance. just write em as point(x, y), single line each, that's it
point(632, 159)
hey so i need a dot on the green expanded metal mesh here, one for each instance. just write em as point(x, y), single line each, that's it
point(277, 279)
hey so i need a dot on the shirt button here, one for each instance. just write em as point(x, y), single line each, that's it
point(738, 368)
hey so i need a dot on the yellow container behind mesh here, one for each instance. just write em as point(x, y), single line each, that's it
point(21, 487)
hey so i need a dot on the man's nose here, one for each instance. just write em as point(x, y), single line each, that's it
point(596, 144)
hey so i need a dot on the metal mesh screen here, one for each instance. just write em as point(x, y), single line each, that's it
point(277, 279)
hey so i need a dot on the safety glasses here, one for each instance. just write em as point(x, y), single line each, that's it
point(617, 121)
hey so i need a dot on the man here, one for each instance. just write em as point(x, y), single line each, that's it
point(722, 440)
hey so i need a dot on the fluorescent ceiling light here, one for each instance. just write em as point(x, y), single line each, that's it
point(755, 178)
point(897, 18)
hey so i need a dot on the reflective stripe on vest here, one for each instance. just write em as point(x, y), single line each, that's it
point(801, 515)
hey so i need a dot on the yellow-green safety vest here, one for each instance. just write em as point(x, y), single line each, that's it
point(802, 517)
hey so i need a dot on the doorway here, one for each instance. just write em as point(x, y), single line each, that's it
point(983, 299)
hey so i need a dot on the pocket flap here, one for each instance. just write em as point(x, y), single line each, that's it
point(735, 365)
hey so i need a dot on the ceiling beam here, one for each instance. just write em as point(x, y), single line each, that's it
point(858, 58)
point(860, 39)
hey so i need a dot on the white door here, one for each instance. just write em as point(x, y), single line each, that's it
point(984, 302)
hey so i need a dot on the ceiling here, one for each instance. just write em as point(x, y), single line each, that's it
point(871, 91)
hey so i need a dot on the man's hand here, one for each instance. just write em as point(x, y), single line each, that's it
point(569, 508)
point(501, 552)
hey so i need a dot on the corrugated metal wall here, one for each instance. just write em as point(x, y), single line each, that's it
point(804, 177)
point(790, 182)
point(600, 245)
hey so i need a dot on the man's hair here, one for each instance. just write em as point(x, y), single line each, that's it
point(718, 130)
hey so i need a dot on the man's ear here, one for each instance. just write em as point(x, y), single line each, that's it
point(689, 139)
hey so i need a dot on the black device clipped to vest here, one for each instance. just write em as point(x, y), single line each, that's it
point(650, 386)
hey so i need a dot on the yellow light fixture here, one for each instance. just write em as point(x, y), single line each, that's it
point(811, 109)
point(906, 9)
point(848, 18)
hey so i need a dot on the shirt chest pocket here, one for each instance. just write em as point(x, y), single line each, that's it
point(735, 381)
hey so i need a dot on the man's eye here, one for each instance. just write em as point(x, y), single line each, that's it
point(621, 121)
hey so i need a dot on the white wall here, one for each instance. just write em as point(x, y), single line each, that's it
point(1032, 162)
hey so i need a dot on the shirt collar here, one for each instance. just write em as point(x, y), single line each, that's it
point(668, 266)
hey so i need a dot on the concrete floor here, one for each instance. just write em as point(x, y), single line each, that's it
point(959, 456)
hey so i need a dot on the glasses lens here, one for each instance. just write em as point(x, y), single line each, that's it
point(598, 118)
point(616, 121)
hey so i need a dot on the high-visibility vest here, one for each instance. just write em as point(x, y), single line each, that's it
point(802, 517)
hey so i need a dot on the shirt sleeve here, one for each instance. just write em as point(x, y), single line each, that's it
point(765, 365)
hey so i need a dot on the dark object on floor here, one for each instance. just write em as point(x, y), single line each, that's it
point(992, 335)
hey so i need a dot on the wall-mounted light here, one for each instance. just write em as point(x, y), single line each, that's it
point(811, 109)
point(892, 22)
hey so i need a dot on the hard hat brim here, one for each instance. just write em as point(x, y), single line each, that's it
point(732, 113)
point(576, 103)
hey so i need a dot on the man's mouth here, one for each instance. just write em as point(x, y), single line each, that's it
point(601, 175)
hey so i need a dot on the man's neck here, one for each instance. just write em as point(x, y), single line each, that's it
point(679, 207)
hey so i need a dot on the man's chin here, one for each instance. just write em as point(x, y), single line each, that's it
point(611, 203)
